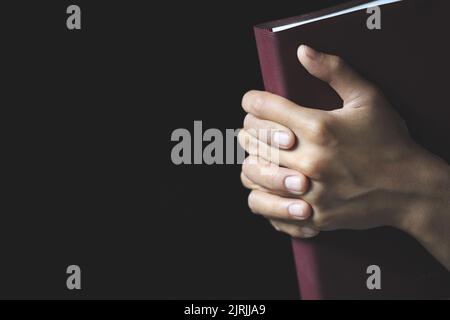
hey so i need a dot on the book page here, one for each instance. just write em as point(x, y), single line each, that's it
point(335, 14)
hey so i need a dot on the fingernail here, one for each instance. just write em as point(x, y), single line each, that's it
point(296, 211)
point(308, 232)
point(293, 184)
point(310, 52)
point(282, 139)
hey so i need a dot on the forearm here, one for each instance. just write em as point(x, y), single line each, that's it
point(427, 216)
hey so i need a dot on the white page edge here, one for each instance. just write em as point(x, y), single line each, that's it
point(335, 14)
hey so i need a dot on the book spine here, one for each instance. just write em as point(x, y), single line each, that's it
point(270, 62)
point(273, 73)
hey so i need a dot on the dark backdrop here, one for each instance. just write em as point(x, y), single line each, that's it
point(88, 179)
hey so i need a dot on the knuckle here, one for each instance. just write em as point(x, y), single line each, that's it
point(242, 138)
point(322, 221)
point(312, 167)
point(248, 160)
point(245, 181)
point(253, 146)
point(248, 121)
point(246, 166)
point(372, 92)
point(248, 142)
point(254, 102)
point(337, 63)
point(320, 131)
point(246, 100)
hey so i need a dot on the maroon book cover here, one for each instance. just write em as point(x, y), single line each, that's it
point(408, 58)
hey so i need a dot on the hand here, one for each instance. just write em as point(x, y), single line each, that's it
point(352, 168)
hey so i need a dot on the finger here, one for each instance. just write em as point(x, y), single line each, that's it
point(333, 70)
point(275, 207)
point(246, 182)
point(272, 133)
point(249, 184)
point(267, 106)
point(261, 150)
point(294, 230)
point(273, 177)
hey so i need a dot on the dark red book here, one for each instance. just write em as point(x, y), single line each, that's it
point(409, 60)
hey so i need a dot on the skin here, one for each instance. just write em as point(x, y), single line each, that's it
point(353, 168)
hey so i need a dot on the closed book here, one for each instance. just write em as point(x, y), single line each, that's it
point(408, 59)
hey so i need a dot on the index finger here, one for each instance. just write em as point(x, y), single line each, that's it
point(268, 106)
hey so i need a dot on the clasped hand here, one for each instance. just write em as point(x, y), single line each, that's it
point(351, 168)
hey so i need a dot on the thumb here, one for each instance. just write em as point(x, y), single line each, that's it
point(333, 70)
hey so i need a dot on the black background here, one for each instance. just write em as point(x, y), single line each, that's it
point(87, 119)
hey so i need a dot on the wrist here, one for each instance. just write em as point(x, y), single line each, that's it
point(424, 191)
